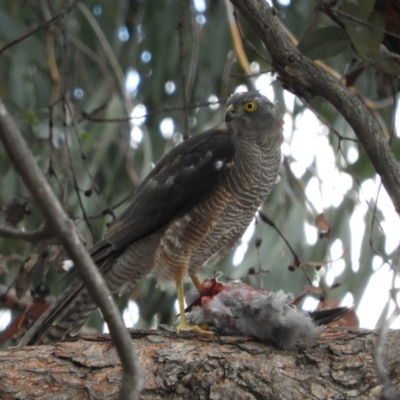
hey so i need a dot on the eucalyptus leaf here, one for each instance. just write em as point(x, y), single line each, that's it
point(324, 43)
point(386, 62)
point(365, 39)
point(365, 7)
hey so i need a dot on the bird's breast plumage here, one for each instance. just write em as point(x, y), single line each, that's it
point(250, 182)
point(211, 229)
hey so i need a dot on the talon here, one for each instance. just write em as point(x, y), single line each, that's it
point(201, 330)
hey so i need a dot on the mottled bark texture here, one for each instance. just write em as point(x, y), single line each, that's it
point(186, 367)
point(306, 79)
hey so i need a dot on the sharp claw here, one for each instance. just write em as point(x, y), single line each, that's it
point(200, 330)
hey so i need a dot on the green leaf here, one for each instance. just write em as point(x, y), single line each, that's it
point(86, 136)
point(325, 42)
point(31, 118)
point(365, 39)
point(385, 63)
point(365, 8)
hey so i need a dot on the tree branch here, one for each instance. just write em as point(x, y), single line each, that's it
point(65, 230)
point(40, 27)
point(186, 367)
point(40, 234)
point(303, 77)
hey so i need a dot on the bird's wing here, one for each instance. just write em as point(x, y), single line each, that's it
point(184, 177)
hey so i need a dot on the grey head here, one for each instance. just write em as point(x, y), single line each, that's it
point(252, 116)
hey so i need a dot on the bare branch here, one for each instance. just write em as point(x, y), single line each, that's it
point(89, 115)
point(179, 28)
point(43, 26)
point(63, 227)
point(38, 235)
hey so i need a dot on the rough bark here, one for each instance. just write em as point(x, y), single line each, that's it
point(186, 367)
point(306, 79)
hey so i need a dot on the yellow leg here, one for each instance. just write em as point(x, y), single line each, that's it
point(181, 301)
point(183, 325)
point(196, 281)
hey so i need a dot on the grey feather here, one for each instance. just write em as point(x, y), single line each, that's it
point(243, 311)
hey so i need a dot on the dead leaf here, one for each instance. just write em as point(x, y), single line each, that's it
point(13, 328)
point(323, 226)
point(13, 212)
point(23, 321)
point(299, 298)
point(314, 289)
point(328, 304)
point(315, 264)
point(23, 280)
point(336, 285)
point(3, 266)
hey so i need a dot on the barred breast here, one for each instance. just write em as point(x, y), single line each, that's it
point(249, 184)
point(209, 231)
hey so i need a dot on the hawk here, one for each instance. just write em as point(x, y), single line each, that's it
point(188, 213)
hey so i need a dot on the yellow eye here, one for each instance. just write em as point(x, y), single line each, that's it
point(250, 106)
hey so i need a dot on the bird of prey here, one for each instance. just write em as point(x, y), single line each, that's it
point(188, 213)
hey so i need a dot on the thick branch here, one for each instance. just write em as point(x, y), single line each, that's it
point(183, 367)
point(305, 78)
point(65, 230)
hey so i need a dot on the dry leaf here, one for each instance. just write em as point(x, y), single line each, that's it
point(315, 264)
point(3, 266)
point(23, 280)
point(315, 290)
point(323, 226)
point(13, 212)
point(299, 298)
point(23, 321)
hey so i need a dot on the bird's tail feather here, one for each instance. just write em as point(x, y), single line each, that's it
point(323, 317)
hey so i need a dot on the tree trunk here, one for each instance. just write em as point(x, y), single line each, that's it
point(188, 367)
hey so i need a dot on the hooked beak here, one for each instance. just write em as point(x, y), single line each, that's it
point(230, 113)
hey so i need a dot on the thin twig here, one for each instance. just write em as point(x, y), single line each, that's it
point(112, 58)
point(271, 223)
point(194, 56)
point(66, 110)
point(89, 115)
point(330, 126)
point(179, 28)
point(83, 158)
point(367, 24)
point(94, 57)
point(43, 26)
point(113, 207)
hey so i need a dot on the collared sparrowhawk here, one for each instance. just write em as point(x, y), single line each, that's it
point(189, 212)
